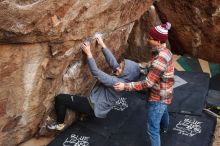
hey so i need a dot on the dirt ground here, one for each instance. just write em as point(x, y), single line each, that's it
point(216, 141)
point(37, 142)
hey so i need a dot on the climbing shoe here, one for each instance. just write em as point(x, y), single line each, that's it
point(56, 126)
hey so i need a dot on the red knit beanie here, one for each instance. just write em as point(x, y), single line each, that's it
point(160, 32)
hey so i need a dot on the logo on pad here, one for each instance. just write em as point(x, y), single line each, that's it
point(188, 127)
point(121, 104)
point(76, 140)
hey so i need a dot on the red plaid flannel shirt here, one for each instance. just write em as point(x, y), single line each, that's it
point(160, 78)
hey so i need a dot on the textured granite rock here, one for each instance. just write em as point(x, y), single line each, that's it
point(196, 26)
point(40, 55)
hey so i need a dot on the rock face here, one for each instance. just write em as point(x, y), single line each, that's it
point(38, 20)
point(40, 55)
point(196, 26)
point(137, 48)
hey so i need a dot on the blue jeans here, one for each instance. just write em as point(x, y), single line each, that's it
point(157, 115)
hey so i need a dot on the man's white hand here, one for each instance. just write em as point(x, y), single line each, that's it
point(119, 86)
point(86, 49)
point(99, 39)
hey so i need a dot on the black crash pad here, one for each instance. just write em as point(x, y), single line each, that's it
point(215, 82)
point(77, 135)
point(190, 97)
point(127, 127)
point(187, 130)
point(213, 98)
point(193, 63)
point(120, 128)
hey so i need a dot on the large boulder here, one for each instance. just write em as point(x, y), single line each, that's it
point(196, 26)
point(40, 55)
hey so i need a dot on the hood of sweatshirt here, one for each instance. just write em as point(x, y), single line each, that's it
point(131, 71)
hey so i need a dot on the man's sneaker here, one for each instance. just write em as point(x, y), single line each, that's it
point(56, 126)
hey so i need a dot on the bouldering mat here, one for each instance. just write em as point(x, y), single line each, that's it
point(187, 130)
point(189, 98)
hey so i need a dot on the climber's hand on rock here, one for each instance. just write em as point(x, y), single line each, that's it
point(99, 39)
point(86, 49)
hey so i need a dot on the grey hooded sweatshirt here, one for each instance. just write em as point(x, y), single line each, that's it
point(103, 96)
